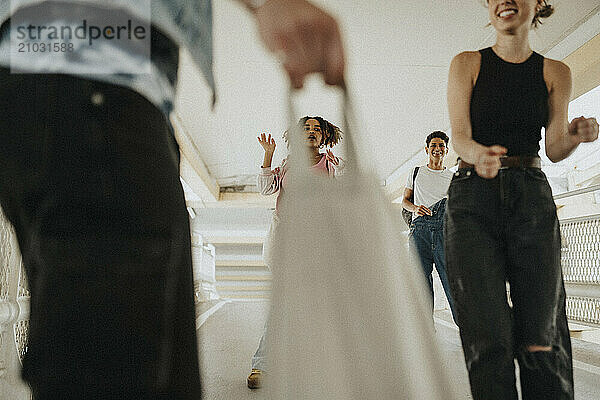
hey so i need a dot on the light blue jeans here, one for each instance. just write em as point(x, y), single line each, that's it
point(427, 239)
point(259, 359)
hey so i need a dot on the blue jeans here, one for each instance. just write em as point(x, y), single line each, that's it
point(259, 359)
point(427, 239)
point(506, 230)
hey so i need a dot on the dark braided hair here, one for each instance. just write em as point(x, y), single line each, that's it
point(331, 133)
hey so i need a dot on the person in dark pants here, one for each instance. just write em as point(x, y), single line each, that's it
point(427, 186)
point(98, 242)
point(89, 178)
point(501, 222)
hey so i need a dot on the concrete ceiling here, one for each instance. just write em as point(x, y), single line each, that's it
point(398, 57)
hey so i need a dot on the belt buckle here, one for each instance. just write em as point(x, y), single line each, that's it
point(503, 166)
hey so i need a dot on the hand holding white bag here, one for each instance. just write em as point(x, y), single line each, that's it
point(349, 315)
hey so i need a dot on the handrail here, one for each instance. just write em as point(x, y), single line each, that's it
point(580, 219)
point(584, 190)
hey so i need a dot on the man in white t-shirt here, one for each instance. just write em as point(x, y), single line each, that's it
point(425, 196)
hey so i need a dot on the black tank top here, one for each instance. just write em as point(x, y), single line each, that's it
point(509, 103)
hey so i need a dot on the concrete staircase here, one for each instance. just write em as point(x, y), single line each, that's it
point(241, 272)
point(238, 235)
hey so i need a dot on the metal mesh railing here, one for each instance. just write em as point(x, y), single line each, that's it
point(580, 256)
point(584, 309)
point(580, 260)
point(21, 330)
point(6, 233)
point(14, 319)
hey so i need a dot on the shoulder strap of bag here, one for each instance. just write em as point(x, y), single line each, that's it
point(416, 171)
point(415, 177)
point(407, 215)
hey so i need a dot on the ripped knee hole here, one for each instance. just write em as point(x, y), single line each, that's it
point(535, 348)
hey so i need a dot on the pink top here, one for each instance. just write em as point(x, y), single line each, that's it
point(272, 181)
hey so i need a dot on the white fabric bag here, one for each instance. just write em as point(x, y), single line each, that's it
point(349, 318)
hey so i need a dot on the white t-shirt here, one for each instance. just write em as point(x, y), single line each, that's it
point(430, 186)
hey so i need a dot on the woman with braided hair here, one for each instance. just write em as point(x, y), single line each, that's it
point(319, 134)
point(501, 221)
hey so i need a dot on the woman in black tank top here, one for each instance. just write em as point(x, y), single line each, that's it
point(501, 222)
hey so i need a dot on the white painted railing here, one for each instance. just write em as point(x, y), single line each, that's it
point(580, 260)
point(580, 256)
point(203, 259)
point(14, 315)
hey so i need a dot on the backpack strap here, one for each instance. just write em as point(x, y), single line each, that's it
point(415, 172)
point(415, 176)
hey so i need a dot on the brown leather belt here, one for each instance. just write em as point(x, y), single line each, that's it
point(511, 162)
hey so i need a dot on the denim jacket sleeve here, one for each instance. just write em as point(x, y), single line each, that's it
point(187, 22)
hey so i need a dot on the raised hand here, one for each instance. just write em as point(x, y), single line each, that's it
point(268, 143)
point(331, 158)
point(584, 129)
point(488, 161)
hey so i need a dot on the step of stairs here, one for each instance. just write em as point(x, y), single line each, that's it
point(239, 263)
point(242, 277)
point(241, 295)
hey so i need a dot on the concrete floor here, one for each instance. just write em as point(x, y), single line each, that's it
point(229, 333)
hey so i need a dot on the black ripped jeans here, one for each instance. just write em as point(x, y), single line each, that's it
point(506, 230)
